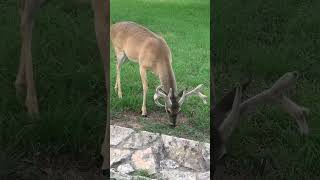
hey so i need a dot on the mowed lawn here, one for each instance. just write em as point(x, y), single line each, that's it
point(267, 39)
point(185, 25)
point(69, 82)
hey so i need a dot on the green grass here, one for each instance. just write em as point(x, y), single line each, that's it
point(69, 81)
point(267, 39)
point(184, 24)
point(143, 173)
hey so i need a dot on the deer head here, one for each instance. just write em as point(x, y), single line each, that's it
point(173, 102)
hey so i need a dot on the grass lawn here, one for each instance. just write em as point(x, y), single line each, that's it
point(184, 24)
point(267, 39)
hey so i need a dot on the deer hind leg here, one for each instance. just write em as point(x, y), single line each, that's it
point(25, 72)
point(143, 74)
point(121, 59)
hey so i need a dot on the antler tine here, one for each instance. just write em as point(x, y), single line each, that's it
point(156, 100)
point(194, 92)
point(229, 124)
point(158, 91)
point(160, 94)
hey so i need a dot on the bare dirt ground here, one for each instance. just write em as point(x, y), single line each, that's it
point(132, 119)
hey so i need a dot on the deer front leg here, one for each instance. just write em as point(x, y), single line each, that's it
point(25, 73)
point(101, 19)
point(143, 74)
point(20, 82)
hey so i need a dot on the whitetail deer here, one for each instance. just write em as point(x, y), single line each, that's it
point(25, 81)
point(150, 51)
point(227, 113)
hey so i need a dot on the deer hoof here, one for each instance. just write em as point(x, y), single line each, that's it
point(32, 106)
point(143, 114)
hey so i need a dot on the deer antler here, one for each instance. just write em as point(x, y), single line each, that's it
point(273, 95)
point(194, 92)
point(232, 119)
point(276, 95)
point(160, 93)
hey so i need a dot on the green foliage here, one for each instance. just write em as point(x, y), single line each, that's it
point(143, 173)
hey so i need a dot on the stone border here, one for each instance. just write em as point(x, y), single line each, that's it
point(161, 156)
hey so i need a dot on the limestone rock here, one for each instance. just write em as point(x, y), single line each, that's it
point(118, 176)
point(144, 160)
point(168, 164)
point(205, 150)
point(185, 152)
point(125, 168)
point(177, 175)
point(140, 139)
point(119, 134)
point(117, 155)
point(204, 176)
point(141, 178)
point(164, 157)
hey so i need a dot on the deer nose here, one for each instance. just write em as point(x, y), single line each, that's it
point(173, 119)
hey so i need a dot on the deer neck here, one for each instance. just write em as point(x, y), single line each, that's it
point(167, 78)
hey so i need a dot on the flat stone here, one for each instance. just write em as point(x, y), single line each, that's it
point(119, 134)
point(117, 155)
point(164, 157)
point(141, 178)
point(174, 174)
point(144, 160)
point(125, 168)
point(115, 175)
point(168, 164)
point(140, 140)
point(158, 149)
point(205, 150)
point(186, 152)
point(118, 176)
point(204, 176)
